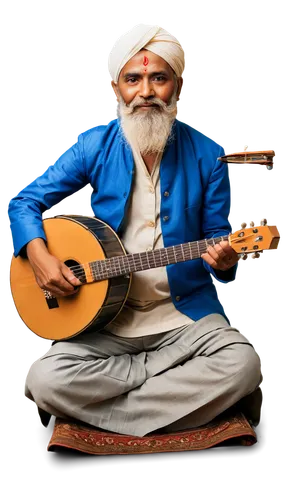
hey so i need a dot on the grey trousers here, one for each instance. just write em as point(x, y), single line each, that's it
point(181, 378)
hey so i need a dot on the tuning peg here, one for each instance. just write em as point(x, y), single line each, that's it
point(251, 223)
point(243, 257)
point(256, 255)
point(263, 222)
point(243, 225)
point(259, 255)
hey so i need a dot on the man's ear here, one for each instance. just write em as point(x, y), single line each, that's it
point(180, 84)
point(115, 88)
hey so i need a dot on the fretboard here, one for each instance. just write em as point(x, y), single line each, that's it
point(130, 263)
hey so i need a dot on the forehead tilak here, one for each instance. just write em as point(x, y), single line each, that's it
point(145, 62)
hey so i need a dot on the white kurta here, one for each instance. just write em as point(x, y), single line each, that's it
point(149, 308)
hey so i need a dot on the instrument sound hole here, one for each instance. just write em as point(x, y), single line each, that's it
point(77, 272)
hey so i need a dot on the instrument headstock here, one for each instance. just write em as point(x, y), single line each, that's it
point(254, 239)
point(258, 157)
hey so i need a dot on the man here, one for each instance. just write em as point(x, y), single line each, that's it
point(170, 360)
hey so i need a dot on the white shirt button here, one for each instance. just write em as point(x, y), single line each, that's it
point(148, 249)
point(151, 189)
point(151, 223)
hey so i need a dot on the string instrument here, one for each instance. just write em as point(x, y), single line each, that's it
point(96, 256)
point(258, 157)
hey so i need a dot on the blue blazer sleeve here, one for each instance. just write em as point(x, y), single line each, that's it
point(60, 180)
point(216, 211)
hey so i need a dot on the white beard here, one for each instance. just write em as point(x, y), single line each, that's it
point(148, 130)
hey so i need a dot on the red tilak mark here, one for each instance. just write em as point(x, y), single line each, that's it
point(145, 63)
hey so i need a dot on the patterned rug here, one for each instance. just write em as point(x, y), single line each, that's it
point(227, 429)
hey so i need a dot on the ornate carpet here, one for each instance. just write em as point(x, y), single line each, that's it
point(227, 429)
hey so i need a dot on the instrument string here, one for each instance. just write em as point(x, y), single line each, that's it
point(154, 254)
point(122, 264)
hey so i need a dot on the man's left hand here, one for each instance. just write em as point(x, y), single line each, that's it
point(221, 256)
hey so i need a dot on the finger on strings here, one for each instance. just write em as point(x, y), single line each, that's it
point(213, 253)
point(209, 260)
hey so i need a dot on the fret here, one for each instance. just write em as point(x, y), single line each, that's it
point(152, 255)
point(138, 262)
point(134, 262)
point(128, 260)
point(122, 264)
point(110, 268)
point(99, 262)
point(112, 265)
point(98, 269)
point(160, 256)
point(190, 248)
point(206, 244)
point(122, 261)
point(165, 256)
point(170, 255)
point(126, 264)
point(186, 251)
point(118, 266)
point(129, 263)
point(138, 265)
point(92, 271)
point(175, 257)
point(191, 251)
point(157, 258)
point(144, 260)
point(151, 259)
point(200, 247)
point(182, 250)
point(148, 263)
point(178, 253)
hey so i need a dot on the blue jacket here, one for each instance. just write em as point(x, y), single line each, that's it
point(197, 206)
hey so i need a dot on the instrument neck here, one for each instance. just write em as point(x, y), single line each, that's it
point(125, 264)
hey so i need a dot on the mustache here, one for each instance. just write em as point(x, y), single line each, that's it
point(140, 101)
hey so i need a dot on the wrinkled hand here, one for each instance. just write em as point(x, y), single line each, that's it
point(221, 256)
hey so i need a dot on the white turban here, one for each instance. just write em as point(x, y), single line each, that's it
point(152, 38)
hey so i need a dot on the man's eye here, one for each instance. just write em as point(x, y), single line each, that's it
point(131, 80)
point(160, 78)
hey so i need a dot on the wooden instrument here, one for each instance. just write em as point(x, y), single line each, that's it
point(97, 257)
point(259, 157)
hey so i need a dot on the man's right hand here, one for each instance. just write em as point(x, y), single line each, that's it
point(51, 274)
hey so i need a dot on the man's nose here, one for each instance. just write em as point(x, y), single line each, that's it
point(146, 89)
